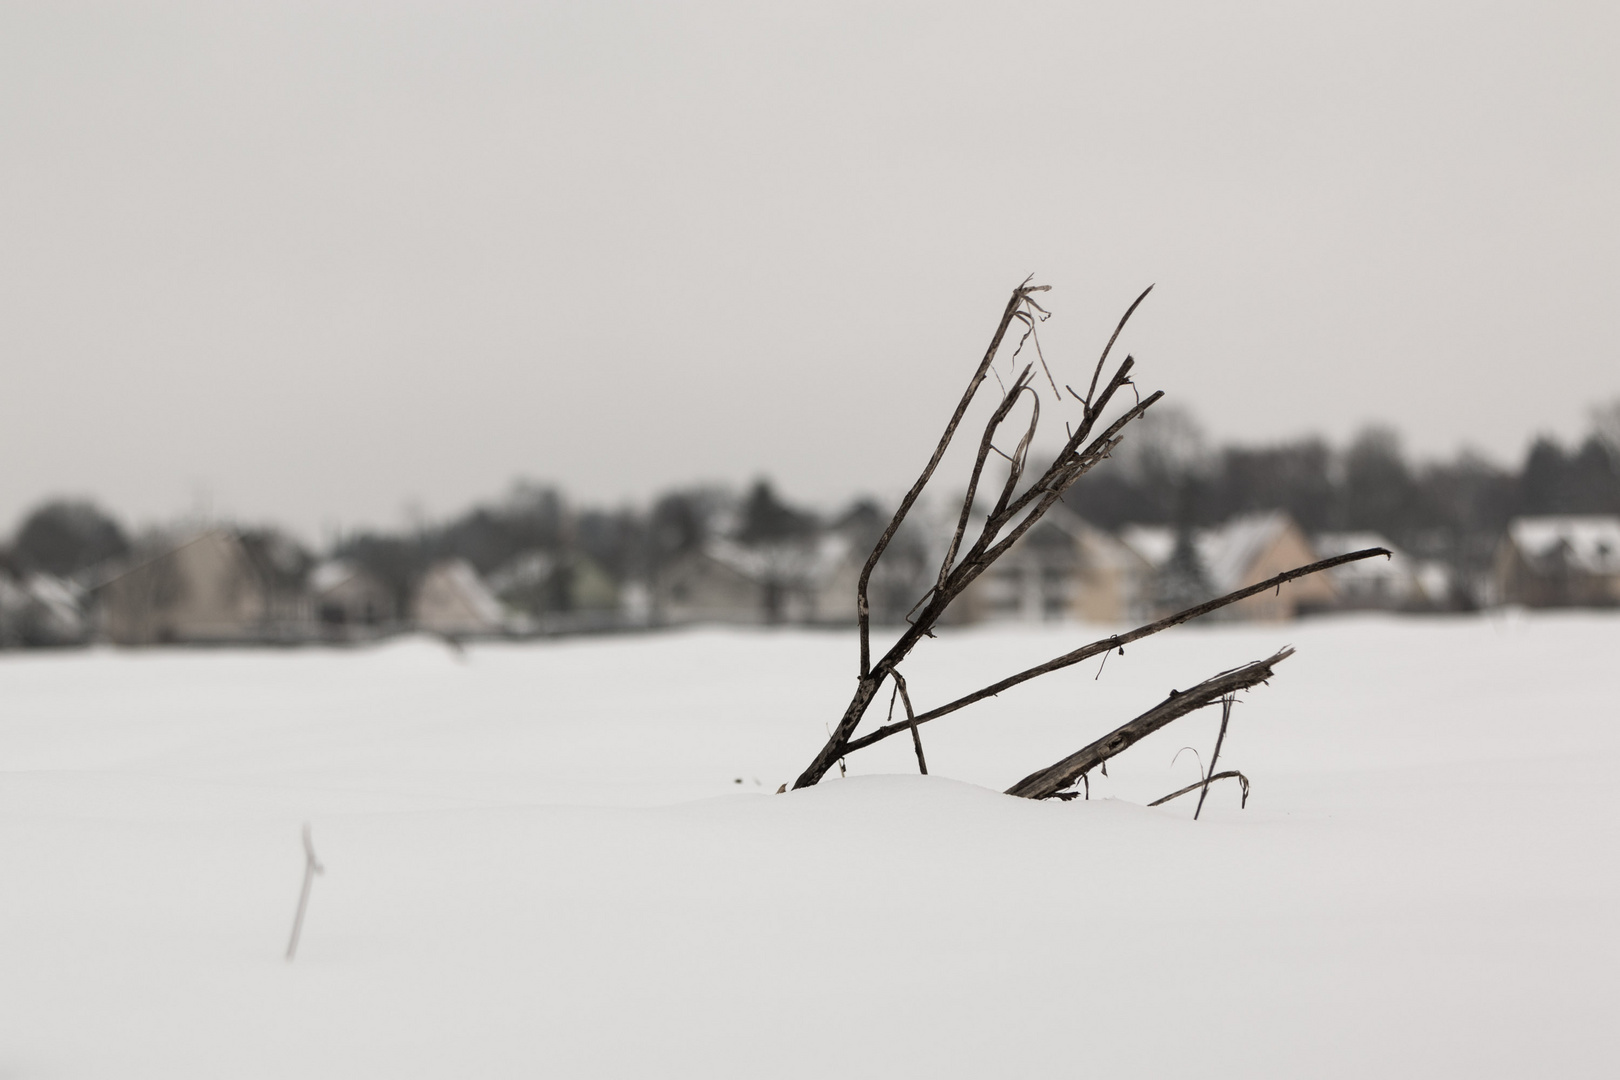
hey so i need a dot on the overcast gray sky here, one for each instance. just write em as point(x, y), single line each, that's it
point(321, 262)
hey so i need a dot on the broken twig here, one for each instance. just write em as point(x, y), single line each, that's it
point(1226, 715)
point(312, 866)
point(916, 739)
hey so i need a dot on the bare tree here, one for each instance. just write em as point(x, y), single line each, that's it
point(1017, 507)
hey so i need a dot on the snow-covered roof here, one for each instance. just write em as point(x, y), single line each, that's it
point(523, 571)
point(1588, 542)
point(785, 561)
point(1329, 544)
point(50, 589)
point(330, 574)
point(1229, 550)
point(1153, 543)
point(453, 598)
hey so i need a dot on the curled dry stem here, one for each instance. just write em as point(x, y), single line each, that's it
point(1204, 784)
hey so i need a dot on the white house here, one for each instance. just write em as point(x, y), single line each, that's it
point(1568, 560)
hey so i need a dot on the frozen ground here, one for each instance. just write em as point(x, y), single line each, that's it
point(539, 863)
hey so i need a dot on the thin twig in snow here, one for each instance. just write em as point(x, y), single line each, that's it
point(312, 867)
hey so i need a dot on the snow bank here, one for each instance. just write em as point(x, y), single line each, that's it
point(540, 861)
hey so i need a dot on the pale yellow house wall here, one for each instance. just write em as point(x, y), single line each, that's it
point(204, 590)
point(443, 604)
point(1288, 549)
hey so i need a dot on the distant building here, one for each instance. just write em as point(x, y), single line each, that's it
point(802, 581)
point(1242, 552)
point(1062, 568)
point(350, 601)
point(706, 585)
point(454, 601)
point(215, 586)
point(1248, 550)
point(1396, 583)
point(40, 609)
point(556, 593)
point(1559, 561)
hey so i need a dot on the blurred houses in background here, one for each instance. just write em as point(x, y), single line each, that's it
point(39, 609)
point(1164, 524)
point(1560, 561)
point(1066, 568)
point(351, 602)
point(1193, 565)
point(560, 592)
point(765, 563)
point(1062, 568)
point(806, 582)
point(214, 587)
point(1398, 583)
point(453, 601)
point(43, 600)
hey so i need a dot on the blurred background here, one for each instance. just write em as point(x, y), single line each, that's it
point(323, 321)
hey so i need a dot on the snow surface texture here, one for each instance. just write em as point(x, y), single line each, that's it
point(538, 862)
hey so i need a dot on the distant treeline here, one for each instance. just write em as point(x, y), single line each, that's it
point(1449, 510)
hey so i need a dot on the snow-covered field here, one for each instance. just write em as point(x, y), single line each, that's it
point(539, 861)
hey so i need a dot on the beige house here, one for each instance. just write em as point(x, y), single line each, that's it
point(1570, 560)
point(1062, 568)
point(1246, 551)
point(215, 586)
point(454, 601)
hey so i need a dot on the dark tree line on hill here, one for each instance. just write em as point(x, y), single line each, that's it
point(1452, 510)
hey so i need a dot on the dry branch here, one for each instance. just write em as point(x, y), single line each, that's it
point(863, 610)
point(1204, 783)
point(1123, 319)
point(1226, 718)
point(916, 736)
point(1011, 517)
point(872, 675)
point(986, 444)
point(1096, 648)
point(1066, 773)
